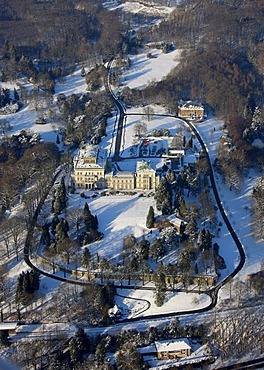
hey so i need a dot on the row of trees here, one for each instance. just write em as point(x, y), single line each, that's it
point(55, 235)
point(83, 352)
point(85, 117)
point(27, 284)
point(23, 163)
point(258, 208)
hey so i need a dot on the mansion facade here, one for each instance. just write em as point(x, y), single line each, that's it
point(91, 171)
point(191, 111)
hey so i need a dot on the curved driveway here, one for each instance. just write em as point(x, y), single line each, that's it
point(213, 292)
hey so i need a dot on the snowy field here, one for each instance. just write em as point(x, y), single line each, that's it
point(138, 7)
point(146, 70)
point(136, 305)
point(118, 216)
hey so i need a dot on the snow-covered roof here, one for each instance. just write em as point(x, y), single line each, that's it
point(175, 220)
point(176, 151)
point(143, 166)
point(8, 325)
point(190, 105)
point(190, 158)
point(81, 164)
point(124, 174)
point(172, 345)
point(88, 151)
point(114, 311)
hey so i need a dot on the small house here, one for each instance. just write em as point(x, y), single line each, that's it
point(9, 327)
point(177, 223)
point(172, 349)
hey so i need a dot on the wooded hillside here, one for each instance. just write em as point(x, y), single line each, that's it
point(60, 30)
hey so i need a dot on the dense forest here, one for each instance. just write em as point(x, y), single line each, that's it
point(57, 33)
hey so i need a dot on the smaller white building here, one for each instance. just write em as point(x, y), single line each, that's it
point(8, 326)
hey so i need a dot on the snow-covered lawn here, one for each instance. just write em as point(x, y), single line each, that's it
point(118, 216)
point(122, 215)
point(174, 302)
point(145, 70)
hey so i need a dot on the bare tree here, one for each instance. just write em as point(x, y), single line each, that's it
point(16, 230)
point(75, 215)
point(149, 111)
point(140, 129)
point(5, 233)
point(5, 126)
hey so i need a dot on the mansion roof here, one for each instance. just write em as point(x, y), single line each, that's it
point(88, 150)
point(82, 165)
point(172, 345)
point(144, 167)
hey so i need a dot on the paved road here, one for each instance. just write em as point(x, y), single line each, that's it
point(213, 292)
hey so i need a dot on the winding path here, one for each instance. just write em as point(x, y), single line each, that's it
point(213, 292)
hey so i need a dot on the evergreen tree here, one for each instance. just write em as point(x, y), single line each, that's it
point(182, 207)
point(208, 240)
point(201, 239)
point(90, 221)
point(86, 258)
point(156, 250)
point(35, 279)
point(46, 235)
point(18, 314)
point(55, 221)
point(160, 283)
point(4, 338)
point(65, 224)
point(19, 287)
point(83, 73)
point(204, 240)
point(190, 143)
point(82, 340)
point(191, 228)
point(163, 197)
point(184, 141)
point(16, 96)
point(61, 231)
point(26, 283)
point(166, 206)
point(150, 218)
point(170, 175)
point(60, 198)
point(143, 248)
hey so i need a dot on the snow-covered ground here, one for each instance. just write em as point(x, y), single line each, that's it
point(138, 8)
point(122, 215)
point(237, 205)
point(174, 302)
point(145, 70)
